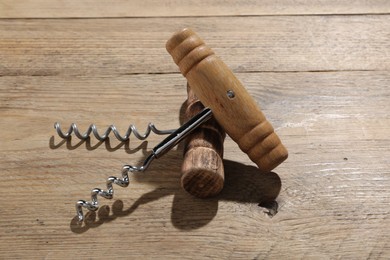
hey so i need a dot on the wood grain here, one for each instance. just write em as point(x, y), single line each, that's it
point(174, 8)
point(119, 47)
point(322, 81)
point(335, 185)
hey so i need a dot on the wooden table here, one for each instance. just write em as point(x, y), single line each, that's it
point(319, 70)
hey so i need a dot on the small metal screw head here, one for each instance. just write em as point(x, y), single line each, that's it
point(230, 94)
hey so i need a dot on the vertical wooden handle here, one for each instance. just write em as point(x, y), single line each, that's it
point(234, 109)
point(203, 173)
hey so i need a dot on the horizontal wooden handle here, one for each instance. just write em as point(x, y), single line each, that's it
point(203, 172)
point(235, 110)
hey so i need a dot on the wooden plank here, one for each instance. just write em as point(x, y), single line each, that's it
point(119, 46)
point(335, 185)
point(176, 8)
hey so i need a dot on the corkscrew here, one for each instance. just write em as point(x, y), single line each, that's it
point(168, 143)
point(213, 85)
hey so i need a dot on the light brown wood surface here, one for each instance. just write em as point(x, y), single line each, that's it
point(322, 79)
point(177, 8)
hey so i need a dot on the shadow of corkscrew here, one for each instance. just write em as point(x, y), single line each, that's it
point(243, 184)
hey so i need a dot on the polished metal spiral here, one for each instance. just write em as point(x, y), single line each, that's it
point(160, 149)
point(93, 205)
point(93, 129)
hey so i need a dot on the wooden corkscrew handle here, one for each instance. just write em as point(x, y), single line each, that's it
point(202, 168)
point(235, 110)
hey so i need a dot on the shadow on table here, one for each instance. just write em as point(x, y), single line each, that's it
point(243, 184)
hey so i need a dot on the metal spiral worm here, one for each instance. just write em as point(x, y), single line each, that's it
point(93, 129)
point(93, 205)
point(160, 149)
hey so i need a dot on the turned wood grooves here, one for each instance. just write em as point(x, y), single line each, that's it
point(235, 110)
point(203, 172)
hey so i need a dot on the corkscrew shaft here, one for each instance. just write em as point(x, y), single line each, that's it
point(178, 135)
point(168, 143)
